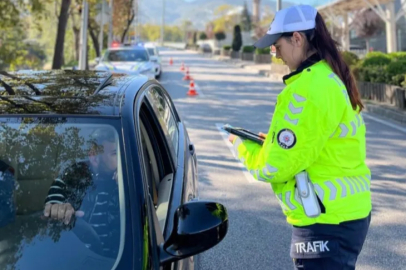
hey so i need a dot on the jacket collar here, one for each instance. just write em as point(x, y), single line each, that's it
point(287, 79)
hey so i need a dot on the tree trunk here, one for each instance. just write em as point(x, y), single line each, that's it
point(129, 22)
point(76, 36)
point(60, 36)
point(367, 44)
point(94, 38)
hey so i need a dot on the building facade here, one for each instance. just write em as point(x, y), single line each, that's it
point(378, 42)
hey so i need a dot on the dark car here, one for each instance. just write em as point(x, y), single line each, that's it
point(61, 134)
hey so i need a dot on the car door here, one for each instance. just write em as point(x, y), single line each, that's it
point(164, 145)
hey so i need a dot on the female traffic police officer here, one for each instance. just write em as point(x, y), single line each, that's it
point(314, 153)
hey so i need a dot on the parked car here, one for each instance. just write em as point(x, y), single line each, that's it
point(129, 59)
point(154, 56)
point(61, 132)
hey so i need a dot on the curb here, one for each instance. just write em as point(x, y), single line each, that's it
point(386, 112)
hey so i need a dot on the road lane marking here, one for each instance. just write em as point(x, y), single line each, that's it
point(399, 128)
point(224, 135)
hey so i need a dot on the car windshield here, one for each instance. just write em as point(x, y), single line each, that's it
point(151, 51)
point(60, 162)
point(126, 56)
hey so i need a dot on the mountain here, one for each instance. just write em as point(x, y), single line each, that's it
point(198, 11)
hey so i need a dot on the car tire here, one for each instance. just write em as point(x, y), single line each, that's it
point(158, 76)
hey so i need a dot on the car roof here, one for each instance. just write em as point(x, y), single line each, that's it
point(64, 92)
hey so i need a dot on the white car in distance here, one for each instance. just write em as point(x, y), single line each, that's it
point(155, 58)
point(131, 60)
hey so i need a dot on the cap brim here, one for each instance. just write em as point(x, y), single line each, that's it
point(267, 41)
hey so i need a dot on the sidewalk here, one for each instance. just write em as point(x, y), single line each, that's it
point(378, 109)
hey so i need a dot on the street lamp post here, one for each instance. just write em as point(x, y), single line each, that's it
point(278, 5)
point(110, 39)
point(163, 23)
point(101, 29)
point(83, 36)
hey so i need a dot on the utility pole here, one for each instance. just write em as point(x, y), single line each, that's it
point(135, 8)
point(110, 39)
point(163, 23)
point(138, 19)
point(278, 5)
point(101, 29)
point(83, 36)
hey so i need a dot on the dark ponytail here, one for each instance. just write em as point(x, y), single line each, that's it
point(327, 49)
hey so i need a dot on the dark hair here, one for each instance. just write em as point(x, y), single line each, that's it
point(327, 48)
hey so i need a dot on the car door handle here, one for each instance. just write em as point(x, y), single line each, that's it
point(192, 149)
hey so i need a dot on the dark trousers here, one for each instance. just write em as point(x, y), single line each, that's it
point(328, 247)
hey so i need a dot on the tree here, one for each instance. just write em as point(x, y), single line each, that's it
point(219, 36)
point(246, 19)
point(203, 36)
point(225, 18)
point(237, 39)
point(367, 24)
point(60, 36)
point(124, 15)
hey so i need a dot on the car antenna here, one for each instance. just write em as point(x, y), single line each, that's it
point(104, 83)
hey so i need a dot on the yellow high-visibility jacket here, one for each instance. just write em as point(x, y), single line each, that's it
point(314, 128)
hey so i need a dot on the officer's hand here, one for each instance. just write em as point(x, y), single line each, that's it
point(231, 138)
point(62, 212)
point(262, 135)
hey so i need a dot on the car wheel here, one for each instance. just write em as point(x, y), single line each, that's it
point(158, 76)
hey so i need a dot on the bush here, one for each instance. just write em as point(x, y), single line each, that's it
point(263, 51)
point(203, 36)
point(356, 69)
point(350, 58)
point(396, 71)
point(248, 49)
point(376, 59)
point(397, 56)
point(226, 47)
point(375, 74)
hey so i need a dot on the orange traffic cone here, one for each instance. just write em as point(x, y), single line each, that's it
point(171, 62)
point(187, 76)
point(192, 90)
point(182, 67)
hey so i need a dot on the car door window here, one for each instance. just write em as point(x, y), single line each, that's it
point(159, 172)
point(165, 117)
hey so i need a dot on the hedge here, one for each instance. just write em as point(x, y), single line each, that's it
point(248, 49)
point(226, 47)
point(378, 67)
point(266, 50)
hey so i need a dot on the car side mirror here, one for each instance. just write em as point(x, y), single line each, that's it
point(198, 226)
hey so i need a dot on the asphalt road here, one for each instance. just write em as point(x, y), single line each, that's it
point(259, 237)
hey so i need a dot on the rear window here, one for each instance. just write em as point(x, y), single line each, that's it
point(51, 162)
point(126, 56)
point(151, 51)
